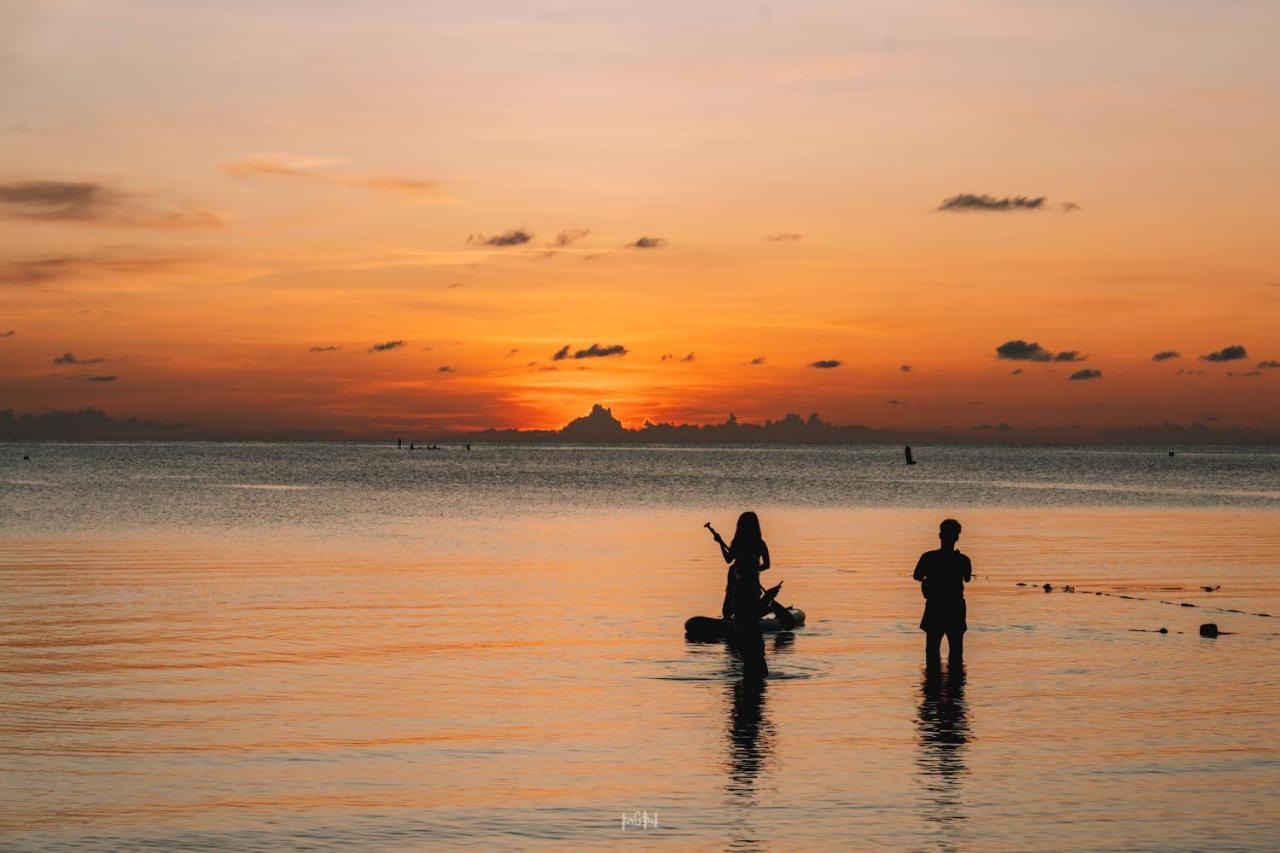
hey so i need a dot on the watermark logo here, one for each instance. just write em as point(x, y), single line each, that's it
point(639, 820)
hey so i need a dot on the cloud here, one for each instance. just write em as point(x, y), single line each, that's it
point(895, 402)
point(1070, 355)
point(514, 237)
point(826, 363)
point(597, 351)
point(8, 334)
point(548, 368)
point(1017, 371)
point(1231, 353)
point(970, 201)
point(1269, 364)
point(672, 357)
point(784, 238)
point(1248, 373)
point(1000, 427)
point(905, 368)
point(100, 379)
point(304, 169)
point(757, 360)
point(1069, 206)
point(569, 236)
point(92, 203)
point(1020, 350)
point(561, 354)
point(324, 349)
point(1086, 374)
point(511, 352)
point(1165, 355)
point(388, 345)
point(444, 368)
point(68, 358)
point(647, 243)
point(1182, 371)
point(58, 267)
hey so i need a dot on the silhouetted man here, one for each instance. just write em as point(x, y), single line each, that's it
point(942, 575)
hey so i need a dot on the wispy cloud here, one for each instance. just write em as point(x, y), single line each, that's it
point(93, 203)
point(313, 170)
point(1269, 364)
point(597, 351)
point(1069, 355)
point(101, 378)
point(826, 363)
point(1166, 355)
point(1231, 353)
point(647, 243)
point(1070, 206)
point(561, 354)
point(785, 237)
point(569, 236)
point(905, 368)
point(965, 202)
point(1246, 373)
point(1087, 373)
point(69, 358)
point(58, 267)
point(672, 357)
point(758, 360)
point(324, 349)
point(386, 346)
point(444, 368)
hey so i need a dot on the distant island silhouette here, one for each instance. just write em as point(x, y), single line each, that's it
point(601, 426)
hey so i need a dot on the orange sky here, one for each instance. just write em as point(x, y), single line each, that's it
point(198, 194)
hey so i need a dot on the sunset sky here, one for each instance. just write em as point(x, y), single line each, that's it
point(382, 217)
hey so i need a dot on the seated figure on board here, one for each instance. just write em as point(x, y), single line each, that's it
point(942, 575)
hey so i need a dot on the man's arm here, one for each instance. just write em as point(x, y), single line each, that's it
point(920, 569)
point(764, 556)
point(968, 569)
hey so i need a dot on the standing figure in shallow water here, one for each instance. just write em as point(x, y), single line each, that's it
point(748, 556)
point(942, 575)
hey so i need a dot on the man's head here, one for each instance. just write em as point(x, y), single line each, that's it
point(949, 531)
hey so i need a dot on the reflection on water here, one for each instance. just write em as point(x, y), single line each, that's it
point(942, 727)
point(751, 744)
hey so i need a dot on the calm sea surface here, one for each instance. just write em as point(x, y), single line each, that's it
point(353, 646)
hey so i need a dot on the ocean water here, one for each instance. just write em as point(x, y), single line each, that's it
point(339, 646)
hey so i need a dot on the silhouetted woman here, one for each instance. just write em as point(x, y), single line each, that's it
point(748, 556)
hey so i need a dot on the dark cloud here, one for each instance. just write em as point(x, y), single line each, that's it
point(1069, 206)
point(895, 402)
point(1182, 371)
point(1086, 374)
point(784, 238)
point(548, 368)
point(597, 351)
point(1248, 373)
point(1020, 350)
point(386, 346)
point(454, 286)
point(444, 368)
point(1000, 427)
point(569, 236)
point(324, 349)
point(758, 360)
point(826, 363)
point(68, 358)
point(672, 357)
point(970, 201)
point(1269, 364)
point(512, 352)
point(1231, 353)
point(1017, 371)
point(561, 354)
point(100, 379)
point(514, 237)
point(88, 202)
point(647, 243)
point(905, 368)
point(1069, 355)
point(1165, 355)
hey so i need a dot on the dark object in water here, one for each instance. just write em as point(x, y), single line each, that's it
point(709, 628)
point(1068, 588)
point(1170, 452)
point(1212, 588)
point(910, 461)
point(1020, 583)
point(1184, 604)
point(26, 458)
point(1048, 587)
point(1164, 630)
point(1209, 629)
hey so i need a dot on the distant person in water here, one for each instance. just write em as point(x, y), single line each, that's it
point(748, 556)
point(910, 461)
point(942, 575)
